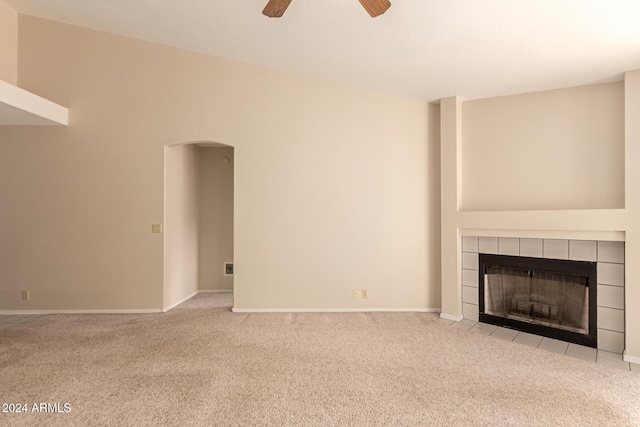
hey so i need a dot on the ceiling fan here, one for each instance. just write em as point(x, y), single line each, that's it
point(276, 8)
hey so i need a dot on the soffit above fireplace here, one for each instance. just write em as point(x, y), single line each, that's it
point(19, 107)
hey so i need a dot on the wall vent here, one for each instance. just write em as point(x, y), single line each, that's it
point(228, 269)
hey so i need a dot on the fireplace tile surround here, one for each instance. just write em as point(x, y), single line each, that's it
point(609, 256)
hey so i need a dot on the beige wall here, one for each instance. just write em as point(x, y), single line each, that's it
point(560, 149)
point(451, 183)
point(632, 197)
point(181, 228)
point(8, 44)
point(434, 213)
point(333, 185)
point(215, 213)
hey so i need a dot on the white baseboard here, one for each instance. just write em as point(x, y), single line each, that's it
point(164, 310)
point(133, 311)
point(235, 310)
point(335, 310)
point(215, 291)
point(451, 317)
point(632, 359)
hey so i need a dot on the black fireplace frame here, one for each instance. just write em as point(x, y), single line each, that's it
point(582, 268)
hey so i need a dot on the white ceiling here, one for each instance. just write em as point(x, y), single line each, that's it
point(424, 49)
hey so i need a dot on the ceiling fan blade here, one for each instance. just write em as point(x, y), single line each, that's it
point(276, 8)
point(375, 7)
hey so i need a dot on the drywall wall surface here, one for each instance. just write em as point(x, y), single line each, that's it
point(450, 176)
point(8, 44)
point(632, 244)
point(215, 217)
point(559, 149)
point(332, 183)
point(434, 238)
point(181, 231)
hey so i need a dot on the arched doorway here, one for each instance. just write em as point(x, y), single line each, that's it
point(198, 215)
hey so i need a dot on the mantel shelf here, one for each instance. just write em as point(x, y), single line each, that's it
point(590, 224)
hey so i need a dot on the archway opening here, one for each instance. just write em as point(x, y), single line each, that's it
point(198, 220)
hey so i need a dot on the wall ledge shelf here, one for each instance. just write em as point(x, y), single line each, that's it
point(585, 224)
point(19, 107)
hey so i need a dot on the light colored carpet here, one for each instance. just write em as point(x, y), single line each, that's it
point(200, 364)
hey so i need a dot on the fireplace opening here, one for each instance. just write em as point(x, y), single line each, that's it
point(548, 297)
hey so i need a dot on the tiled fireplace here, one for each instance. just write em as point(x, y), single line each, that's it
point(609, 257)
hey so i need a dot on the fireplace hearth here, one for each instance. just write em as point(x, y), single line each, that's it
point(548, 297)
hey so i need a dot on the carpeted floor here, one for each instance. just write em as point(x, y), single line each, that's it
point(200, 364)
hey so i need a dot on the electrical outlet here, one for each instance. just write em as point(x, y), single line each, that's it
point(355, 293)
point(364, 293)
point(25, 295)
point(156, 228)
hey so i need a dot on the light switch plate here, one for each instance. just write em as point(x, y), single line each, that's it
point(156, 228)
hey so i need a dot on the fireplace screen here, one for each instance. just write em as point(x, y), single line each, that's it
point(549, 297)
point(545, 298)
